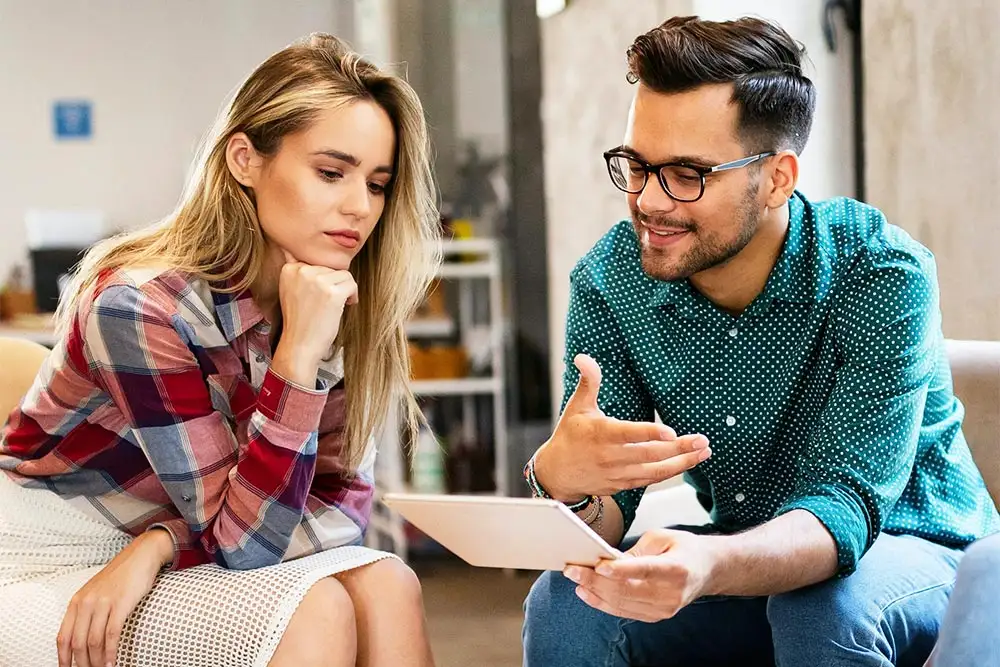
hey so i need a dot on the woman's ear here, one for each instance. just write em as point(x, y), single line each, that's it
point(243, 160)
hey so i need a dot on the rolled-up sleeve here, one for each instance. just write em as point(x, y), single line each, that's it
point(861, 453)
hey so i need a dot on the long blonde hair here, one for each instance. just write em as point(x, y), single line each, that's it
point(214, 233)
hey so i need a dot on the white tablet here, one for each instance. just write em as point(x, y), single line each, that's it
point(514, 533)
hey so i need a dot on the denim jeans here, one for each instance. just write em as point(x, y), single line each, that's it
point(971, 631)
point(887, 613)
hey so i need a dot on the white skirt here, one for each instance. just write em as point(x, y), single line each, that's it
point(204, 616)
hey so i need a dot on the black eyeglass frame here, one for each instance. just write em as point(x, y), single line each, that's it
point(657, 169)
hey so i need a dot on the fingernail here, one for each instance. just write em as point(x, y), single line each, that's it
point(572, 574)
point(705, 453)
point(667, 434)
point(604, 570)
point(580, 593)
point(699, 443)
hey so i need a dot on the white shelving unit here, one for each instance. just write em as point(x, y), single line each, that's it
point(465, 262)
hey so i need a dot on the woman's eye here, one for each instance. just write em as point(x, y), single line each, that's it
point(328, 175)
point(376, 188)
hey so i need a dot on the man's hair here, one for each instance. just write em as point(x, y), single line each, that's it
point(759, 58)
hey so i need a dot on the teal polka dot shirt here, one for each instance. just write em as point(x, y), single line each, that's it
point(831, 393)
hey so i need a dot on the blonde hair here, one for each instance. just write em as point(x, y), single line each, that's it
point(214, 233)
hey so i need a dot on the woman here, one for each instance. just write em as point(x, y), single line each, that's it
point(189, 478)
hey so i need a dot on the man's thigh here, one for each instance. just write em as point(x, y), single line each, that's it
point(561, 630)
point(887, 613)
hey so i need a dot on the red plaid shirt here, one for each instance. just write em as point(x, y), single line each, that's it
point(158, 408)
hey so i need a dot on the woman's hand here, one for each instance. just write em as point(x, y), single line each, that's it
point(313, 299)
point(95, 617)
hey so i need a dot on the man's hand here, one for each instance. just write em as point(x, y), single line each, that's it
point(663, 573)
point(591, 453)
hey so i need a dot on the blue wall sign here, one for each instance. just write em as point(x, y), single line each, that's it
point(72, 119)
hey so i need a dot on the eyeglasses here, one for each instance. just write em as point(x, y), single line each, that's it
point(682, 182)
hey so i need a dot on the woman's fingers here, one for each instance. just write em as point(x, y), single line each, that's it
point(64, 638)
point(95, 638)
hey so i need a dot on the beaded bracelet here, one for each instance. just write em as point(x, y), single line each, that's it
point(538, 492)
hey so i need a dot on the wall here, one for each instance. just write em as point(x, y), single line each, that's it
point(586, 101)
point(827, 166)
point(933, 144)
point(157, 73)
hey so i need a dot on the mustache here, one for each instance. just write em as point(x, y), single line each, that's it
point(663, 221)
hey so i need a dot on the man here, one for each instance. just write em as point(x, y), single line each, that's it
point(798, 347)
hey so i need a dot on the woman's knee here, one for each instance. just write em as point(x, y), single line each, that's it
point(328, 608)
point(390, 580)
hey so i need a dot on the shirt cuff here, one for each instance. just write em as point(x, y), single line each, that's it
point(844, 516)
point(291, 405)
point(186, 552)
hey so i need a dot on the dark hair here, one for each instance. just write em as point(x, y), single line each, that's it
point(759, 58)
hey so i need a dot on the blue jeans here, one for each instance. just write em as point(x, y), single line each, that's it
point(887, 613)
point(970, 634)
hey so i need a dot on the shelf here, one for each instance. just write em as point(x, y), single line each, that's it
point(468, 246)
point(438, 327)
point(456, 387)
point(481, 269)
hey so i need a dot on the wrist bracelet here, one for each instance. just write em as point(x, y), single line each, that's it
point(538, 492)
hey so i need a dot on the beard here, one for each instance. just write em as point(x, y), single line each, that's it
point(704, 249)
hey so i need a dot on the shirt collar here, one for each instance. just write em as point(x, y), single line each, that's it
point(802, 272)
point(236, 312)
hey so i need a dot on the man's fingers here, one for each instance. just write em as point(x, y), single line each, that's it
point(628, 569)
point(584, 399)
point(621, 599)
point(660, 450)
point(646, 474)
point(620, 431)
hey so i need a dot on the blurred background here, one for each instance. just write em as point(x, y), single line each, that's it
point(106, 101)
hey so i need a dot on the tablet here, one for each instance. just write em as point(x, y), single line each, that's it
point(510, 533)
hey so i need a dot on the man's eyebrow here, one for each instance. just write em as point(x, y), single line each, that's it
point(697, 160)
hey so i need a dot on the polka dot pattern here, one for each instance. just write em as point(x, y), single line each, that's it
point(831, 393)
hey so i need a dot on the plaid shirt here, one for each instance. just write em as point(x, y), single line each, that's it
point(158, 408)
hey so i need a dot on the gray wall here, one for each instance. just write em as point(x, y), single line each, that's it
point(584, 107)
point(933, 144)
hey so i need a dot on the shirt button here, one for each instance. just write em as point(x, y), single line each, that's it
point(730, 421)
point(740, 497)
point(734, 332)
point(186, 498)
point(261, 358)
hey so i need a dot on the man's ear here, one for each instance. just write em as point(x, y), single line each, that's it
point(784, 179)
point(243, 160)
